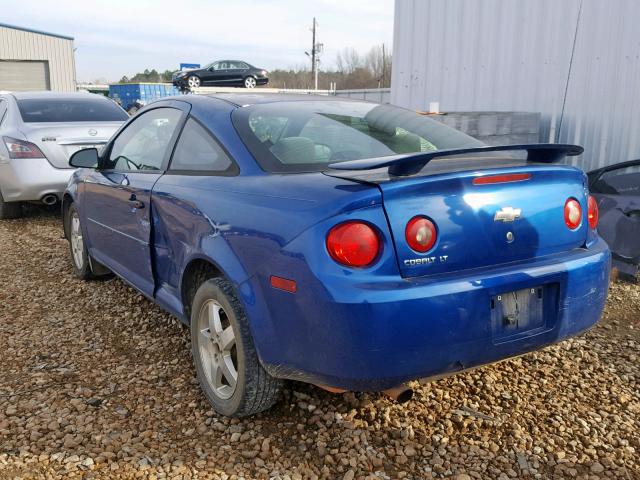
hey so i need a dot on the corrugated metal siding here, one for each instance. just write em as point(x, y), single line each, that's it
point(521, 55)
point(58, 52)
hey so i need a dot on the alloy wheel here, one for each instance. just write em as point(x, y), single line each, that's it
point(77, 244)
point(249, 82)
point(217, 348)
point(194, 82)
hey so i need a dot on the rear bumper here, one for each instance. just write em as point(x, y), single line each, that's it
point(30, 179)
point(375, 336)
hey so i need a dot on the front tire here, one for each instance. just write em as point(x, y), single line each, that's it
point(9, 209)
point(84, 267)
point(250, 82)
point(77, 247)
point(194, 82)
point(224, 355)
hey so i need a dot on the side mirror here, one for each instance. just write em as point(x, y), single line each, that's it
point(86, 158)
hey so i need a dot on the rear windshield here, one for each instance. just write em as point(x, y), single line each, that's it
point(305, 136)
point(66, 110)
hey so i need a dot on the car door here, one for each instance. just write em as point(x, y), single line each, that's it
point(617, 191)
point(116, 197)
point(216, 74)
point(236, 72)
point(207, 75)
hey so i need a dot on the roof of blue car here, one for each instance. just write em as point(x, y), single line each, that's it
point(242, 99)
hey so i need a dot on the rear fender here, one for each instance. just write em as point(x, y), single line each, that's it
point(320, 281)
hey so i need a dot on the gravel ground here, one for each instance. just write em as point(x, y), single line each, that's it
point(97, 382)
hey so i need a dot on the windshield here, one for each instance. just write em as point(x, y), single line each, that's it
point(70, 110)
point(306, 136)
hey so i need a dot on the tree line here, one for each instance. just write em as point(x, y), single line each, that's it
point(351, 70)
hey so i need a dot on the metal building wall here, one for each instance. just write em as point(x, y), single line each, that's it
point(19, 44)
point(577, 62)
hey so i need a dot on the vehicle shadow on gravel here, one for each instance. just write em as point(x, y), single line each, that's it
point(96, 381)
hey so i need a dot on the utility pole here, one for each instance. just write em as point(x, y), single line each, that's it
point(384, 66)
point(316, 50)
point(313, 53)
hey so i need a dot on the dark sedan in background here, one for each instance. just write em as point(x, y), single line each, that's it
point(223, 73)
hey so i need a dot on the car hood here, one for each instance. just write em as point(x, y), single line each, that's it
point(190, 70)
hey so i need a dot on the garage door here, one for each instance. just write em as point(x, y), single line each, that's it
point(17, 76)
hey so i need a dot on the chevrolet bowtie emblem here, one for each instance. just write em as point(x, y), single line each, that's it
point(507, 214)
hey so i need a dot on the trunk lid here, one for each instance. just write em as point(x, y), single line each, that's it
point(482, 225)
point(58, 141)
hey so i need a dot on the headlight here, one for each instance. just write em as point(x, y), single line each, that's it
point(264, 73)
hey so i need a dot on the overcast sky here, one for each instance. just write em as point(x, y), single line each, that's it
point(122, 37)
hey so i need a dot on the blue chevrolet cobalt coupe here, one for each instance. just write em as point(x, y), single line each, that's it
point(347, 244)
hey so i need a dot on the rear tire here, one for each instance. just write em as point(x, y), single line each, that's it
point(9, 209)
point(226, 362)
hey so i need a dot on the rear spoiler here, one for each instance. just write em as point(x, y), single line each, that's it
point(411, 163)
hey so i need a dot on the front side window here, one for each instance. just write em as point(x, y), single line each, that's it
point(51, 110)
point(197, 151)
point(143, 145)
point(308, 135)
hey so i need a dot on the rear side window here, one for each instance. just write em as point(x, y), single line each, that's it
point(70, 110)
point(197, 151)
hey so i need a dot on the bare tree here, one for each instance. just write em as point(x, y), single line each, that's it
point(348, 61)
point(378, 62)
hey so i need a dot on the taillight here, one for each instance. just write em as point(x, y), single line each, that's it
point(21, 149)
point(572, 213)
point(420, 233)
point(507, 178)
point(354, 244)
point(593, 212)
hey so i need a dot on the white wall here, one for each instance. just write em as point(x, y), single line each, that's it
point(16, 44)
point(575, 61)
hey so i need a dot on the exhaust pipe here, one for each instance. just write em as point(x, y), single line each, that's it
point(401, 393)
point(331, 389)
point(50, 199)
